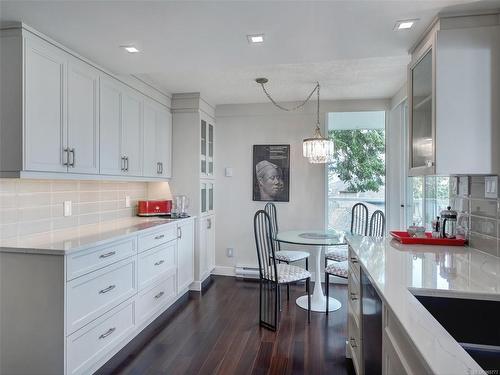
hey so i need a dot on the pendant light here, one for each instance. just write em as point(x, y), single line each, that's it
point(317, 149)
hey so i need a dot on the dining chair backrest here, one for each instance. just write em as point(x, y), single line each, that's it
point(377, 224)
point(359, 219)
point(270, 208)
point(265, 246)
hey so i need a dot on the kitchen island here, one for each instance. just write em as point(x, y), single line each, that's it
point(413, 341)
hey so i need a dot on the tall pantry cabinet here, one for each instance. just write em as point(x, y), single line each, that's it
point(193, 171)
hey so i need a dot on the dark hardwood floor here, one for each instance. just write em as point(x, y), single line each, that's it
point(218, 333)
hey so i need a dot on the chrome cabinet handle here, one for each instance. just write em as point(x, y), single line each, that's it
point(158, 168)
point(123, 163)
point(159, 295)
point(72, 152)
point(126, 163)
point(353, 342)
point(105, 290)
point(160, 262)
point(179, 233)
point(354, 260)
point(353, 296)
point(107, 333)
point(159, 237)
point(66, 156)
point(111, 253)
point(209, 223)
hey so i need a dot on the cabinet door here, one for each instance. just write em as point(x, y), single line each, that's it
point(45, 115)
point(203, 198)
point(132, 133)
point(210, 150)
point(422, 126)
point(210, 243)
point(110, 127)
point(83, 118)
point(185, 248)
point(203, 148)
point(164, 141)
point(151, 167)
point(202, 250)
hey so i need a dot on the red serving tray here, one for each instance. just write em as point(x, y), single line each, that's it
point(405, 238)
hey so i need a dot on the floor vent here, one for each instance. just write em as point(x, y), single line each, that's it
point(247, 272)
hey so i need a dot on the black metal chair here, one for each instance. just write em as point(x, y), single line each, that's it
point(339, 269)
point(377, 224)
point(272, 274)
point(286, 256)
point(359, 225)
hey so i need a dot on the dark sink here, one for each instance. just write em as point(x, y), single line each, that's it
point(475, 324)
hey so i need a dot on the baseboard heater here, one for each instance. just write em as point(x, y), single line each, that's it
point(246, 272)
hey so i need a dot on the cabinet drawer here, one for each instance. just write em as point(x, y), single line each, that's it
point(153, 299)
point(86, 261)
point(91, 295)
point(354, 263)
point(354, 296)
point(354, 342)
point(154, 263)
point(158, 237)
point(90, 344)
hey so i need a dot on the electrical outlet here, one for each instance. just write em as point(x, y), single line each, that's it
point(67, 208)
point(230, 252)
point(127, 201)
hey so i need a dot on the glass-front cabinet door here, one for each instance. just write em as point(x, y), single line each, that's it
point(203, 137)
point(210, 156)
point(422, 123)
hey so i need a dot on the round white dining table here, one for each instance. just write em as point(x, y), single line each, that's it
point(315, 240)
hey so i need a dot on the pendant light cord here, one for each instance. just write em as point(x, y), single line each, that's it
point(303, 103)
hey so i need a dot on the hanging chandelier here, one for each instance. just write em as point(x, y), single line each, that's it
point(316, 149)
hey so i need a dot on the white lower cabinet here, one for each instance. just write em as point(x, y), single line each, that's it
point(206, 254)
point(88, 345)
point(78, 310)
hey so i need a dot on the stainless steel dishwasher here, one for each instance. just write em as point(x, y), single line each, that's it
point(371, 315)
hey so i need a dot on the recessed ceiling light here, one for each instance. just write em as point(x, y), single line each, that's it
point(405, 24)
point(255, 39)
point(130, 49)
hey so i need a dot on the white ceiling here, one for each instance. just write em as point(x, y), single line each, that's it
point(349, 46)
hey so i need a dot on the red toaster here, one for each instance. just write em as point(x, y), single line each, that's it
point(154, 208)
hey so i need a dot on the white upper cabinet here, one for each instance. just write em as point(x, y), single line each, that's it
point(83, 118)
point(454, 88)
point(111, 160)
point(131, 134)
point(157, 123)
point(207, 148)
point(67, 118)
point(44, 108)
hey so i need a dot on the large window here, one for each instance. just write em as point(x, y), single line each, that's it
point(358, 173)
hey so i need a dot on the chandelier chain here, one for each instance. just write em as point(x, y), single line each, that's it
point(300, 105)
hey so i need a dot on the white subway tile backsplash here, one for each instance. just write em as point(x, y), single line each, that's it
point(34, 206)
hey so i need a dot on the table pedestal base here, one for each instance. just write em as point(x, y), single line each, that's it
point(319, 305)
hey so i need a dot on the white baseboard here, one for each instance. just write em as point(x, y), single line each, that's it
point(223, 271)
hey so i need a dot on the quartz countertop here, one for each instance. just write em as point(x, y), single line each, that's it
point(399, 272)
point(61, 242)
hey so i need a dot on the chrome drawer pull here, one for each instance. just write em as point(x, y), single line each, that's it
point(159, 237)
point(159, 295)
point(111, 253)
point(354, 296)
point(159, 262)
point(353, 342)
point(354, 260)
point(111, 287)
point(107, 333)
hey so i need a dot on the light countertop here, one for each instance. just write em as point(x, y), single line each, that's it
point(400, 271)
point(61, 242)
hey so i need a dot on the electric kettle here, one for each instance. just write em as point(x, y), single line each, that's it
point(448, 223)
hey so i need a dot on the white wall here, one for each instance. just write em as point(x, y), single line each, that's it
point(239, 127)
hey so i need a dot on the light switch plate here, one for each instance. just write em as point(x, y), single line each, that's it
point(127, 201)
point(229, 172)
point(491, 187)
point(67, 208)
point(230, 252)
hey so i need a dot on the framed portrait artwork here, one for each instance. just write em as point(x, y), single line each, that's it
point(271, 173)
